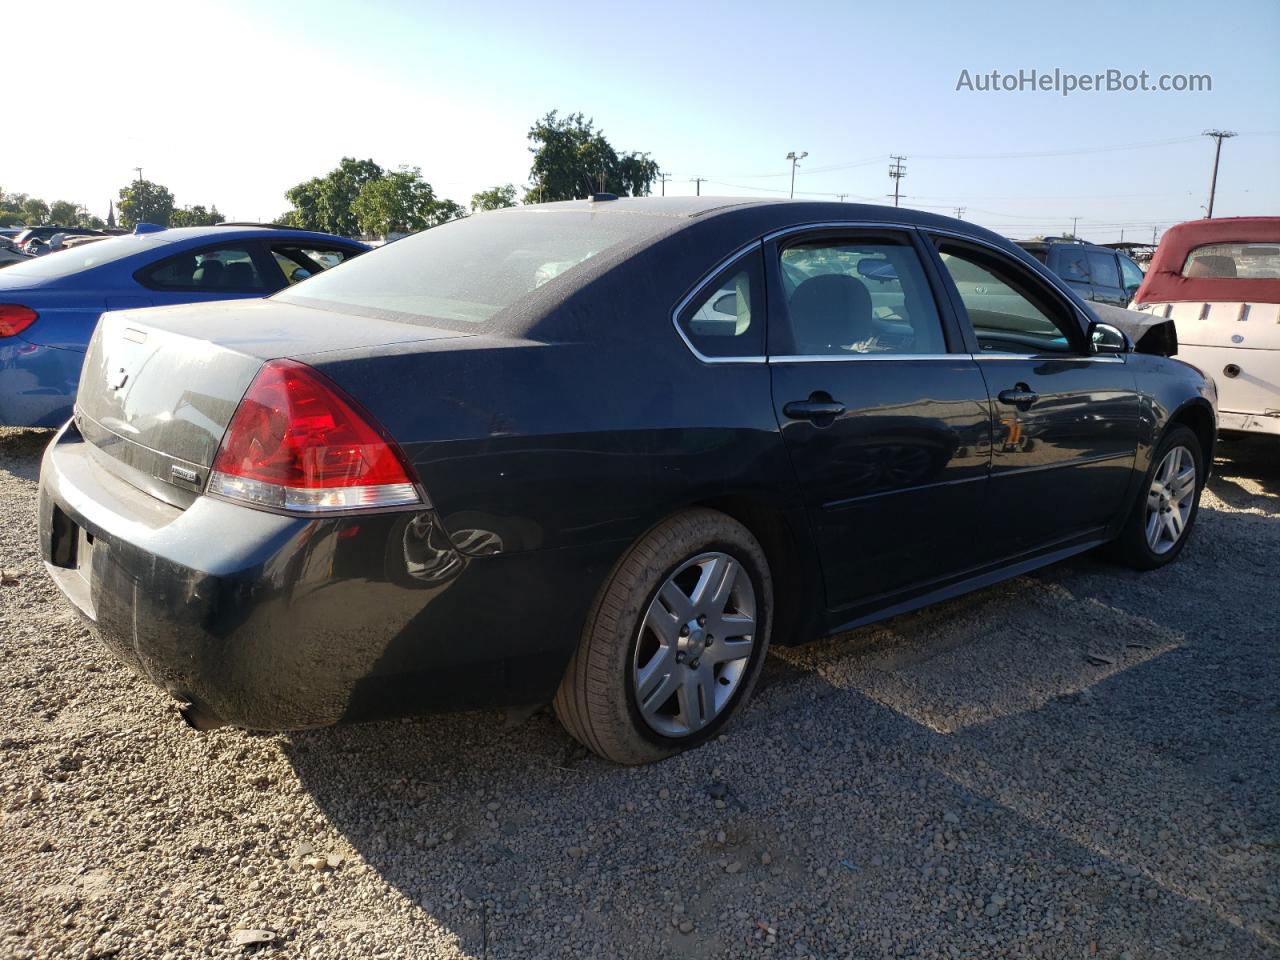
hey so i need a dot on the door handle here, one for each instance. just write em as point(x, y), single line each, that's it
point(1020, 396)
point(812, 409)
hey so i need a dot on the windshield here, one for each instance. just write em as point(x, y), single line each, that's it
point(63, 263)
point(462, 273)
point(1234, 261)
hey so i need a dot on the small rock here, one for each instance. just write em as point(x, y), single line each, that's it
point(718, 790)
point(249, 938)
point(733, 867)
point(686, 926)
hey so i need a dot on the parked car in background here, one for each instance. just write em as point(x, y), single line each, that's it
point(1096, 273)
point(1219, 280)
point(50, 305)
point(599, 453)
point(46, 232)
point(10, 253)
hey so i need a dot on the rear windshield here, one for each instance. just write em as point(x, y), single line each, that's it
point(462, 273)
point(63, 263)
point(1232, 261)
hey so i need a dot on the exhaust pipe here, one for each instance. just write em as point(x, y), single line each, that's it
point(200, 717)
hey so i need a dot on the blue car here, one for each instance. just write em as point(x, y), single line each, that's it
point(50, 305)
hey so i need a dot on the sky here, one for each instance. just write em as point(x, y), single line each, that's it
point(231, 102)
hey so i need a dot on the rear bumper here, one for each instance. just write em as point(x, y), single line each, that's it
point(280, 622)
point(37, 383)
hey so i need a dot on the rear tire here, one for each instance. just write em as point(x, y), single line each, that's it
point(650, 677)
point(1166, 507)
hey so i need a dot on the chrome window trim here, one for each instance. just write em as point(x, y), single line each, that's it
point(841, 225)
point(1038, 357)
point(757, 244)
point(842, 358)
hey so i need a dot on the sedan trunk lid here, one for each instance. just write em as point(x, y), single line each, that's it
point(159, 386)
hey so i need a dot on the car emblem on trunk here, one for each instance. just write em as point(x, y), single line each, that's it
point(1236, 338)
point(183, 473)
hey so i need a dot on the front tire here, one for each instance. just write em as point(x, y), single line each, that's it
point(1166, 508)
point(674, 643)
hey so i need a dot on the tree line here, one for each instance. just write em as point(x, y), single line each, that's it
point(572, 159)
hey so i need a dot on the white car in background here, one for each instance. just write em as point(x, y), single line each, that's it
point(1219, 281)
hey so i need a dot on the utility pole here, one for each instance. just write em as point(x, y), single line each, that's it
point(841, 196)
point(139, 169)
point(663, 178)
point(795, 159)
point(697, 185)
point(1074, 221)
point(1218, 137)
point(897, 171)
point(959, 213)
point(1154, 232)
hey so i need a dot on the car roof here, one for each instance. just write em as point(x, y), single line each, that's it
point(768, 213)
point(241, 232)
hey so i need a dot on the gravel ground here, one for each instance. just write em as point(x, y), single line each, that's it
point(1077, 763)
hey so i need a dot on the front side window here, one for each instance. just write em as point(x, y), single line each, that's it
point(1104, 269)
point(221, 270)
point(1231, 261)
point(726, 318)
point(850, 297)
point(1009, 312)
point(1131, 273)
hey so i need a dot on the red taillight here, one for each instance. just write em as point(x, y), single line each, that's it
point(14, 318)
point(298, 442)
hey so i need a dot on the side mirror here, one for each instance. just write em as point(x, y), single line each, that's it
point(1106, 339)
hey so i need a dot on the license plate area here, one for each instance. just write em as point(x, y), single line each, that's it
point(84, 554)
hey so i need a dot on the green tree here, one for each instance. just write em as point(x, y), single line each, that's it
point(326, 203)
point(573, 160)
point(196, 216)
point(34, 211)
point(145, 202)
point(63, 213)
point(89, 220)
point(495, 199)
point(401, 202)
point(11, 208)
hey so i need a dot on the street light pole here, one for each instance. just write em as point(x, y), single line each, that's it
point(795, 159)
point(1218, 137)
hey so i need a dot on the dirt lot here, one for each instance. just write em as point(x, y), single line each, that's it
point(1077, 763)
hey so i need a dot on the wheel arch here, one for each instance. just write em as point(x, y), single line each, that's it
point(1198, 415)
point(798, 598)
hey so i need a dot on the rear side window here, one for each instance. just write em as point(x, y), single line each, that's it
point(1229, 261)
point(849, 297)
point(1010, 311)
point(1104, 269)
point(221, 270)
point(726, 317)
point(1073, 264)
point(297, 263)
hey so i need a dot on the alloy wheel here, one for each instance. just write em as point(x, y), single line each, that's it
point(1171, 499)
point(694, 645)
